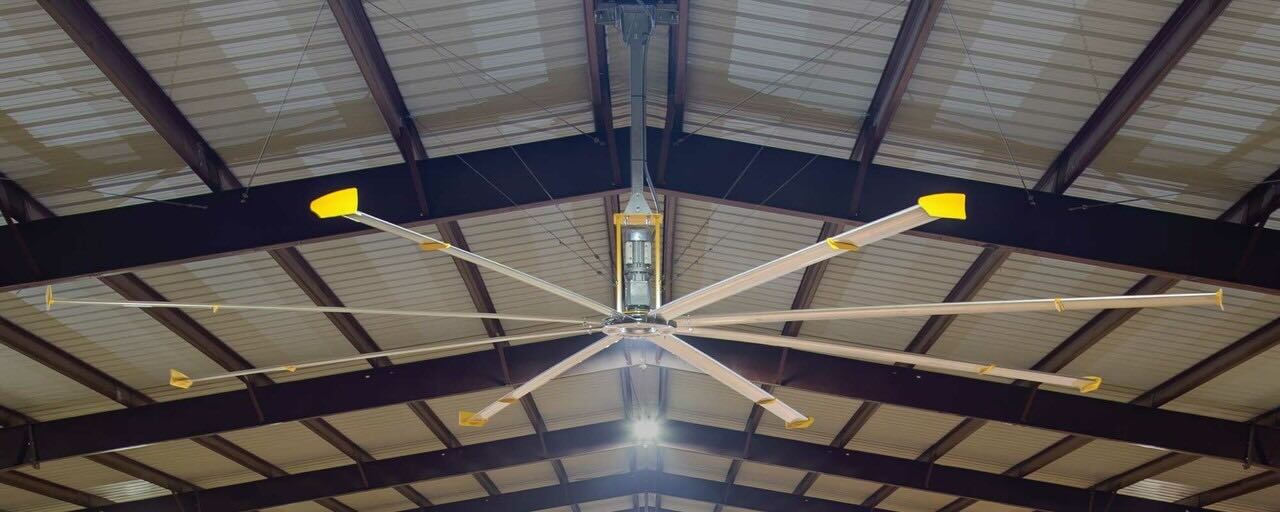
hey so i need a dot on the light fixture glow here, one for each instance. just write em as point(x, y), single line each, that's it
point(646, 430)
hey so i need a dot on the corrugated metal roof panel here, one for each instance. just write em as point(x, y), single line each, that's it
point(1044, 66)
point(1156, 344)
point(534, 47)
point(42, 393)
point(1195, 477)
point(609, 505)
point(565, 244)
point(911, 500)
point(227, 65)
point(684, 505)
point(836, 488)
point(528, 476)
point(830, 414)
point(1260, 501)
point(382, 271)
point(84, 475)
point(290, 446)
point(451, 489)
point(838, 50)
point(191, 462)
point(61, 112)
point(901, 432)
point(262, 337)
point(764, 476)
point(696, 465)
point(899, 270)
point(580, 400)
point(1095, 462)
point(124, 343)
point(611, 462)
point(387, 431)
point(511, 422)
point(1021, 340)
point(1210, 124)
point(998, 446)
point(381, 500)
point(13, 498)
point(714, 242)
point(697, 398)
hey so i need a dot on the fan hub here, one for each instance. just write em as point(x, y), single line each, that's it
point(632, 328)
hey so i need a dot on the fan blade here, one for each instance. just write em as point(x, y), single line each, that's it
point(1083, 384)
point(733, 380)
point(50, 300)
point(181, 380)
point(961, 308)
point(930, 208)
point(479, 418)
point(343, 203)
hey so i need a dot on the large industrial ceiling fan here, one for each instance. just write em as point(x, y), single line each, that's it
point(638, 312)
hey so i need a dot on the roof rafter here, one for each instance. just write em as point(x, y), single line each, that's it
point(362, 39)
point(1184, 27)
point(91, 33)
point(677, 87)
point(598, 83)
point(913, 34)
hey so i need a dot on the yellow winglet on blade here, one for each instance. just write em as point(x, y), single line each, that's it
point(944, 206)
point(434, 246)
point(1218, 295)
point(336, 204)
point(178, 379)
point(469, 419)
point(840, 245)
point(48, 298)
point(1091, 386)
point(799, 424)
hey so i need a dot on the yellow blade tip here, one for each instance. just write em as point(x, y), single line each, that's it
point(178, 379)
point(1091, 386)
point(48, 297)
point(1217, 295)
point(469, 419)
point(944, 206)
point(799, 424)
point(336, 204)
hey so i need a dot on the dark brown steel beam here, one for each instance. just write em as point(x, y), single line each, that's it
point(810, 281)
point(91, 33)
point(361, 38)
point(1257, 205)
point(670, 216)
point(1191, 19)
point(913, 34)
point(598, 82)
point(53, 490)
point(677, 86)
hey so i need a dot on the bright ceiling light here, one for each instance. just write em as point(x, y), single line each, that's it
point(646, 430)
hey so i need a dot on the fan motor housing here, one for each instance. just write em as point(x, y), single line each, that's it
point(638, 267)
